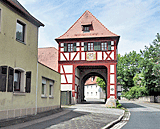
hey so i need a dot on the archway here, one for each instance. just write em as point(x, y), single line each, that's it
point(85, 73)
point(91, 91)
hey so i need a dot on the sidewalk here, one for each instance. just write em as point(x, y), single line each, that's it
point(79, 116)
point(19, 120)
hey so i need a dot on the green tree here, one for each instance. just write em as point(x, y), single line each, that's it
point(127, 67)
point(151, 67)
point(101, 83)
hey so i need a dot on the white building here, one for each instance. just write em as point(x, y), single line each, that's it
point(92, 90)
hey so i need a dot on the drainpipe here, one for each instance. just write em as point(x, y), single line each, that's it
point(36, 88)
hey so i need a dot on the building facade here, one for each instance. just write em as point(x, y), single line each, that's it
point(87, 49)
point(22, 78)
point(93, 90)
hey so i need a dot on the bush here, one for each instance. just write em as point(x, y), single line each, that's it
point(118, 105)
point(135, 92)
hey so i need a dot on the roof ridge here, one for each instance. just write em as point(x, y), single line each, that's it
point(47, 47)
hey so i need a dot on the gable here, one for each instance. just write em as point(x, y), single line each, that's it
point(87, 19)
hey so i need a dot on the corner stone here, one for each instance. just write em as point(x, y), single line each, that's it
point(111, 102)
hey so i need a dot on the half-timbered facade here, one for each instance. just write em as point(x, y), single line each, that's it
point(87, 49)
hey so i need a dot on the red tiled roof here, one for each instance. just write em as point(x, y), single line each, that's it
point(49, 57)
point(99, 30)
point(89, 81)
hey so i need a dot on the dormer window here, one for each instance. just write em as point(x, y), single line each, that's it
point(86, 27)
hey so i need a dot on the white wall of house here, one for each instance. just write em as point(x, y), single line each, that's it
point(93, 91)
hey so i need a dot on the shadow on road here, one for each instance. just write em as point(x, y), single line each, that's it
point(132, 105)
point(55, 121)
point(92, 102)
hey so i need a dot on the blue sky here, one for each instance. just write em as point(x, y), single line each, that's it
point(136, 21)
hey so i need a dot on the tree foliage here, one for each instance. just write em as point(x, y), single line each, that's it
point(101, 83)
point(151, 67)
point(127, 67)
point(139, 74)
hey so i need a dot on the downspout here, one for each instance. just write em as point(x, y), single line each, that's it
point(36, 88)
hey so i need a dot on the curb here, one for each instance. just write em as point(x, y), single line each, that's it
point(108, 126)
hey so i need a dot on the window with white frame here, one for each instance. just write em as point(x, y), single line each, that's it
point(103, 46)
point(19, 80)
point(43, 93)
point(20, 31)
point(51, 89)
point(70, 47)
point(90, 46)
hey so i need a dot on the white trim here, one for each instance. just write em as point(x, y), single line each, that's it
point(77, 44)
point(23, 80)
point(62, 44)
point(112, 42)
point(82, 43)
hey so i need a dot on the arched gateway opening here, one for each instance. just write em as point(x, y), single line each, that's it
point(85, 73)
point(87, 48)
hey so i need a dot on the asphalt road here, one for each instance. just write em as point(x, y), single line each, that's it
point(143, 115)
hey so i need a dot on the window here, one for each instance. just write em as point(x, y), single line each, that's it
point(86, 28)
point(87, 93)
point(92, 79)
point(109, 45)
point(15, 78)
point(20, 31)
point(43, 87)
point(97, 46)
point(51, 89)
point(90, 46)
point(96, 93)
point(69, 47)
point(103, 46)
point(91, 93)
point(19, 80)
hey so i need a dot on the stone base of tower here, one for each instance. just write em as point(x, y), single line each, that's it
point(111, 102)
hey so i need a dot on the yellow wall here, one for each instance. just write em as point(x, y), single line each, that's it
point(17, 54)
point(50, 74)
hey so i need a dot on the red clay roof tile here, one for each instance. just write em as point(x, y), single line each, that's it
point(99, 30)
point(49, 57)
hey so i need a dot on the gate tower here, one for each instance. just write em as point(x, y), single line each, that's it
point(87, 48)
